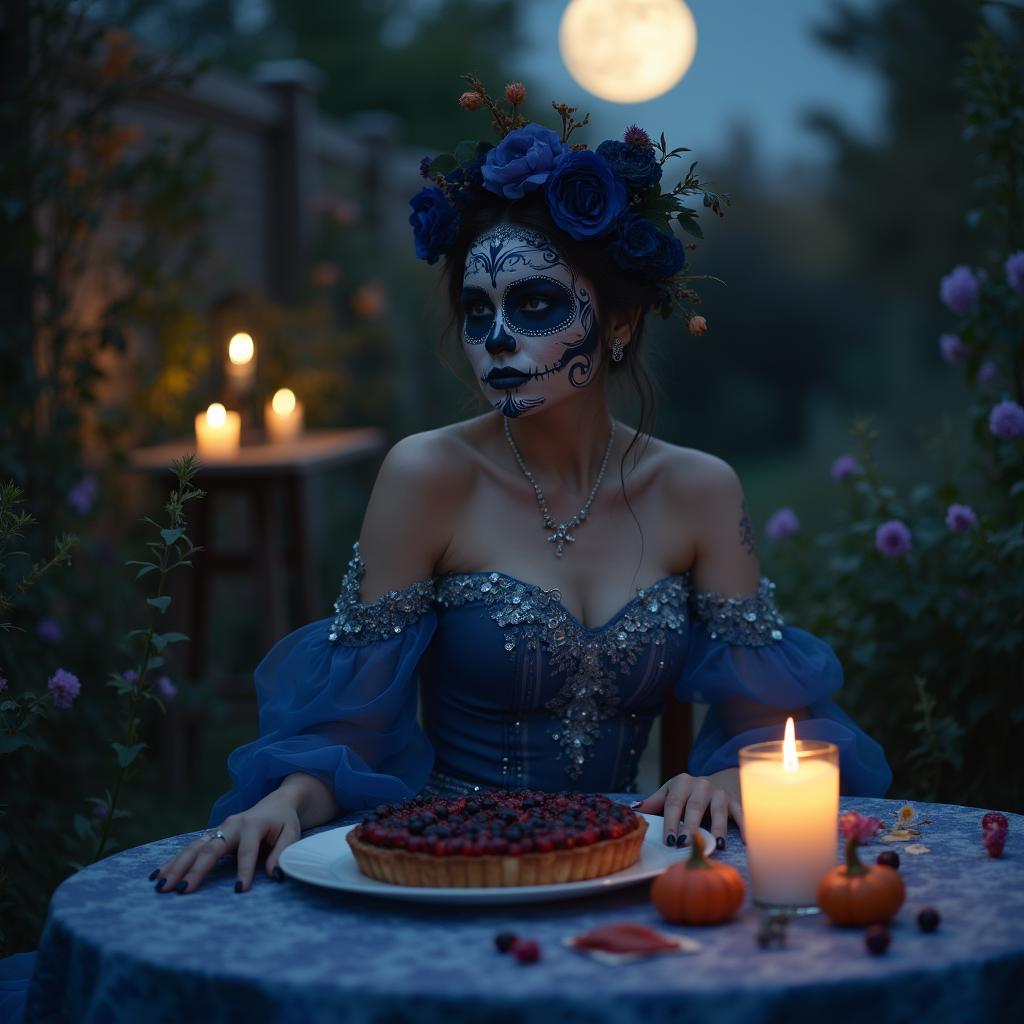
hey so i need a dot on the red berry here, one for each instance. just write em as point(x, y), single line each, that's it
point(928, 919)
point(877, 939)
point(890, 858)
point(995, 840)
point(505, 941)
point(526, 951)
point(994, 820)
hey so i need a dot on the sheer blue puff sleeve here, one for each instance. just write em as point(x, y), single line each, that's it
point(745, 663)
point(337, 700)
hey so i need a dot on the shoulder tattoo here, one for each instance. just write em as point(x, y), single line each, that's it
point(747, 531)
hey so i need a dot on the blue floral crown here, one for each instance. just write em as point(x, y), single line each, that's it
point(612, 195)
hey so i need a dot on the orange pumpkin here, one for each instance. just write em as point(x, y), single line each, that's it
point(855, 894)
point(698, 891)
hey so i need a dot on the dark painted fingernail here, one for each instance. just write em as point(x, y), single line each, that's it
point(182, 885)
point(635, 804)
point(156, 874)
point(159, 885)
point(684, 839)
point(238, 886)
point(277, 873)
point(719, 843)
point(670, 839)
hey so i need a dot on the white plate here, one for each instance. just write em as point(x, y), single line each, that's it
point(326, 859)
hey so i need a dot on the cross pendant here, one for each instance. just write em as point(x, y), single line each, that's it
point(560, 538)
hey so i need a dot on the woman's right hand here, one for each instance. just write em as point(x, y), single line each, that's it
point(273, 822)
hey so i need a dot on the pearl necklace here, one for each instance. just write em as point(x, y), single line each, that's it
point(561, 534)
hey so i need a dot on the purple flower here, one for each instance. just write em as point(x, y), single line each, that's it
point(48, 630)
point(1006, 421)
point(425, 167)
point(99, 810)
point(522, 161)
point(82, 496)
point(585, 195)
point(130, 676)
point(844, 467)
point(893, 539)
point(782, 524)
point(3, 683)
point(636, 136)
point(434, 224)
point(952, 349)
point(987, 372)
point(959, 290)
point(961, 518)
point(167, 689)
point(1015, 270)
point(64, 688)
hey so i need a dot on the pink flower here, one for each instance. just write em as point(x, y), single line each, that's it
point(1014, 268)
point(987, 372)
point(369, 300)
point(952, 349)
point(166, 688)
point(1006, 421)
point(64, 688)
point(961, 518)
point(893, 539)
point(844, 467)
point(515, 93)
point(858, 826)
point(324, 274)
point(958, 290)
point(782, 524)
point(471, 101)
point(698, 325)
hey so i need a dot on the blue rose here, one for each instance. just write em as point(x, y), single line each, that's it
point(640, 248)
point(584, 195)
point(637, 166)
point(434, 224)
point(522, 161)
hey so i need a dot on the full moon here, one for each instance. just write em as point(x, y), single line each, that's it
point(627, 51)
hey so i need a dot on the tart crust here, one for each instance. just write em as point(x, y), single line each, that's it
point(458, 871)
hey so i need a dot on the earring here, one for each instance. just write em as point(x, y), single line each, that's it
point(617, 350)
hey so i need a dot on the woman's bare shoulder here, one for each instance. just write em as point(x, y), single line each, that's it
point(693, 477)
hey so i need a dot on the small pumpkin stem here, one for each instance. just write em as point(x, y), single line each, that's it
point(853, 862)
point(697, 858)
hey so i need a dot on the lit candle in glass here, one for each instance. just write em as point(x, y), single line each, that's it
point(218, 432)
point(283, 416)
point(241, 364)
point(790, 794)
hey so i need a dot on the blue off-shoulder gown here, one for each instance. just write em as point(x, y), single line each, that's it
point(516, 692)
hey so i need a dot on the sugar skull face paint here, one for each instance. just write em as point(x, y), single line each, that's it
point(530, 327)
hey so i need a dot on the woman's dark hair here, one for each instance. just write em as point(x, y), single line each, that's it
point(617, 294)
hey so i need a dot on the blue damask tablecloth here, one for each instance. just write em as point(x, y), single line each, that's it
point(115, 950)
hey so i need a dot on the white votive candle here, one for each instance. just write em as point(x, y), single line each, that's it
point(283, 416)
point(790, 794)
point(241, 363)
point(218, 432)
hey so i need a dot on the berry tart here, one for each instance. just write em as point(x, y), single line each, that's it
point(505, 837)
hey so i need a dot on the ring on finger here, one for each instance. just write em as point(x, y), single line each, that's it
point(213, 834)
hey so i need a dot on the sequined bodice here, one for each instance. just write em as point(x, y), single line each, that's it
point(515, 687)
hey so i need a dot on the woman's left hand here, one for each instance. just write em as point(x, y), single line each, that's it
point(684, 800)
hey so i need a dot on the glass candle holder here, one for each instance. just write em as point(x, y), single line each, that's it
point(790, 814)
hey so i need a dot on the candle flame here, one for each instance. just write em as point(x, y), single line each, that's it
point(241, 348)
point(283, 402)
point(789, 758)
point(216, 415)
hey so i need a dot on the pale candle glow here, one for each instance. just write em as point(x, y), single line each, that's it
point(283, 416)
point(218, 432)
point(241, 365)
point(241, 348)
point(790, 796)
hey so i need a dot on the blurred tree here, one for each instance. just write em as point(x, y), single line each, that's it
point(396, 55)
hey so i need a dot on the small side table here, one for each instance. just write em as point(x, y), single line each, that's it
point(261, 472)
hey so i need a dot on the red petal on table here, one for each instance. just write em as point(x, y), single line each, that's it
point(625, 937)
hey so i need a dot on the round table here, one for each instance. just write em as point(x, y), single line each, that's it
point(115, 950)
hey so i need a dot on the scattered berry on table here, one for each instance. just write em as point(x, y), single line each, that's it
point(994, 820)
point(890, 858)
point(928, 919)
point(877, 939)
point(526, 951)
point(995, 840)
point(504, 941)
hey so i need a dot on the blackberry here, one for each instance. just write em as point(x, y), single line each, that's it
point(928, 919)
point(890, 858)
point(504, 941)
point(877, 939)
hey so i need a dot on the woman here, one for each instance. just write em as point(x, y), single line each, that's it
point(543, 656)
